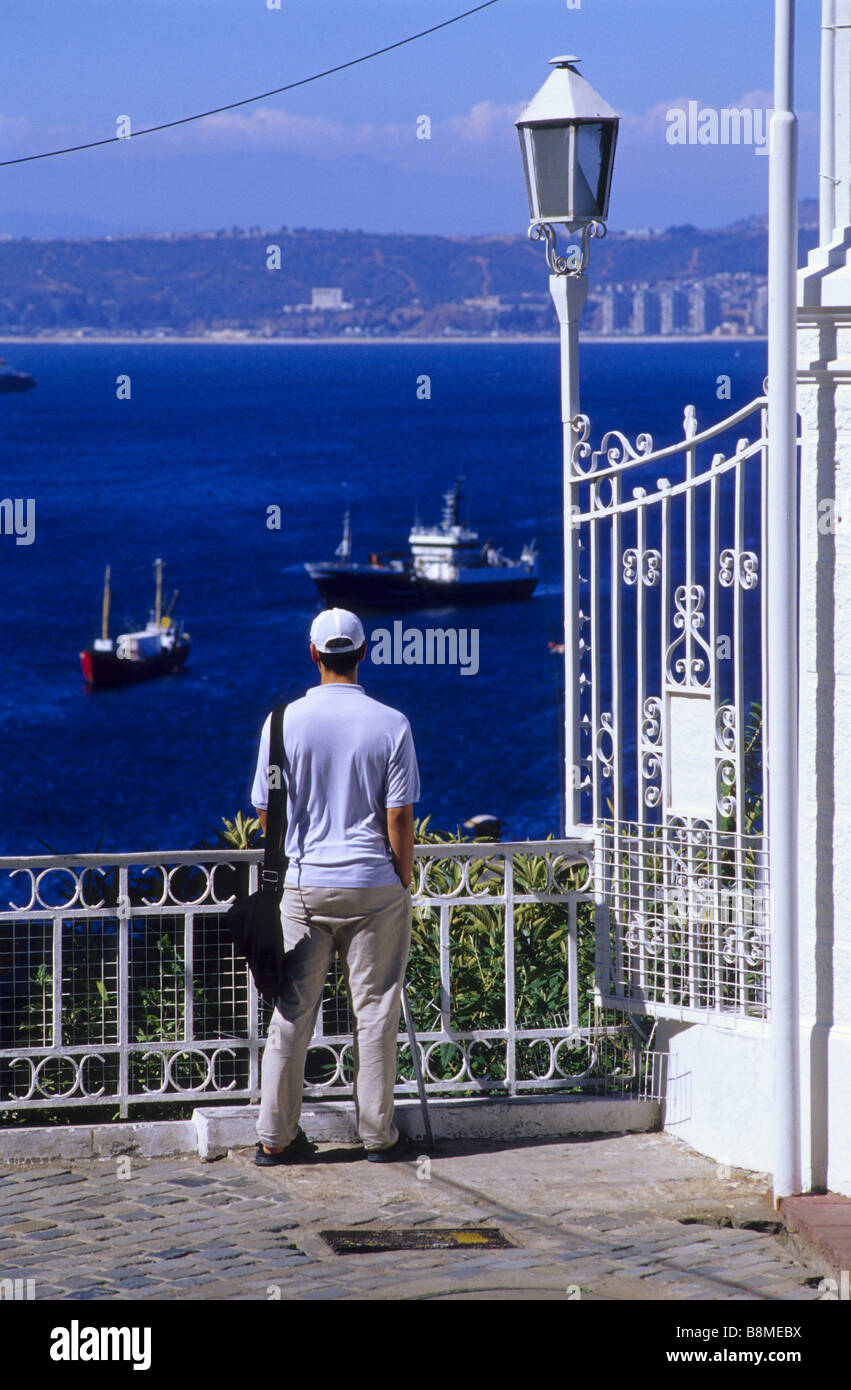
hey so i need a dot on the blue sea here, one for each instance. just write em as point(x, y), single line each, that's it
point(214, 435)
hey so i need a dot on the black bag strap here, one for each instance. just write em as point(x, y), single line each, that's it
point(274, 863)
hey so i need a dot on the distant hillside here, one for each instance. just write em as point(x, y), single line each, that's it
point(394, 283)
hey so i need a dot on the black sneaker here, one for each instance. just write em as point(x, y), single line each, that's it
point(404, 1148)
point(301, 1150)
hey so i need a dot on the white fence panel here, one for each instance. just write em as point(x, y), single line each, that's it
point(119, 986)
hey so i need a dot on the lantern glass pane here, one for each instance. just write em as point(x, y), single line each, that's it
point(593, 158)
point(552, 171)
point(531, 190)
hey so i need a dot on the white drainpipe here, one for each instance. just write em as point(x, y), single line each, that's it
point(782, 597)
point(827, 155)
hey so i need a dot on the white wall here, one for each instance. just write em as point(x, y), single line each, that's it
point(719, 1091)
point(720, 1098)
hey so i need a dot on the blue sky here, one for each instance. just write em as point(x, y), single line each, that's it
point(343, 152)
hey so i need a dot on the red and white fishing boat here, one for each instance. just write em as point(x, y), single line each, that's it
point(158, 649)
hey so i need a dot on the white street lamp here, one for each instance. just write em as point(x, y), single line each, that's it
point(568, 135)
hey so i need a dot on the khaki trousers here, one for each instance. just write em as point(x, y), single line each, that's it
point(371, 930)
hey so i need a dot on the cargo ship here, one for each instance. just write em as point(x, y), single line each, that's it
point(158, 649)
point(447, 566)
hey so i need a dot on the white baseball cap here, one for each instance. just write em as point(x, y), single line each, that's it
point(337, 630)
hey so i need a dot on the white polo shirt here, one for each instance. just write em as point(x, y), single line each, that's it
point(346, 759)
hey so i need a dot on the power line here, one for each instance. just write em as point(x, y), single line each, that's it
point(247, 101)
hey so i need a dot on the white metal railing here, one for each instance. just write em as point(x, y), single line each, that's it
point(669, 680)
point(119, 987)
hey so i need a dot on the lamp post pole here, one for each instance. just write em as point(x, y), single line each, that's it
point(569, 292)
point(567, 135)
point(782, 600)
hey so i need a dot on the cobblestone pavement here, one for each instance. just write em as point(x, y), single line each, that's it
point(630, 1217)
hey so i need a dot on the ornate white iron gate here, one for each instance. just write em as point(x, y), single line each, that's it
point(668, 679)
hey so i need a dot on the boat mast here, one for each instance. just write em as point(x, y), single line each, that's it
point(105, 620)
point(344, 549)
point(451, 504)
point(158, 565)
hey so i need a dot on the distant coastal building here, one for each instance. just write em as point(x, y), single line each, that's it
point(330, 298)
point(704, 309)
point(673, 310)
point(759, 312)
point(616, 311)
point(491, 303)
point(646, 312)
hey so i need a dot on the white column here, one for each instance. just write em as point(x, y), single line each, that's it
point(782, 582)
point(824, 396)
point(569, 293)
point(824, 403)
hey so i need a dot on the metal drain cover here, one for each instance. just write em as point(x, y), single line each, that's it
point(425, 1238)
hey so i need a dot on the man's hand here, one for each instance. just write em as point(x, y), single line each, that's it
point(400, 833)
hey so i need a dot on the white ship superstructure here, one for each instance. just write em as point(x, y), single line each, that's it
point(452, 554)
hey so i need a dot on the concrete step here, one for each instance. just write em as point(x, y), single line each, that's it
point(214, 1130)
point(822, 1226)
point(515, 1117)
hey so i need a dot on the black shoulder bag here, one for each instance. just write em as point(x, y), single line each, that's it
point(254, 923)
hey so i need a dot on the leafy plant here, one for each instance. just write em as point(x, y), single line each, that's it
point(243, 832)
